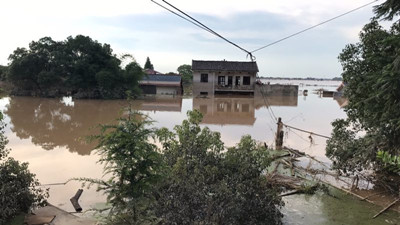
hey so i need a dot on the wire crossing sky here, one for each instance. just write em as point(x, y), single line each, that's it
point(190, 19)
point(144, 29)
point(201, 25)
point(317, 25)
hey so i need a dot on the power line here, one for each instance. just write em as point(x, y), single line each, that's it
point(319, 24)
point(305, 131)
point(272, 115)
point(270, 111)
point(181, 16)
point(202, 26)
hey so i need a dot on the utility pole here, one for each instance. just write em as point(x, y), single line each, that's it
point(279, 135)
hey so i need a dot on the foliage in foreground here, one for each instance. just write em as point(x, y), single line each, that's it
point(3, 72)
point(209, 186)
point(371, 72)
point(134, 167)
point(77, 66)
point(193, 181)
point(18, 187)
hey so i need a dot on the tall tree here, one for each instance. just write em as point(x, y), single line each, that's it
point(371, 72)
point(187, 74)
point(3, 72)
point(148, 64)
point(388, 10)
point(78, 65)
point(135, 168)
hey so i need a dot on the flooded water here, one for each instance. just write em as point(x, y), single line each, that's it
point(49, 134)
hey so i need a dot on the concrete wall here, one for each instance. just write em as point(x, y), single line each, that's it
point(276, 90)
point(199, 87)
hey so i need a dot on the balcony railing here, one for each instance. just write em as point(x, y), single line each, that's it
point(234, 87)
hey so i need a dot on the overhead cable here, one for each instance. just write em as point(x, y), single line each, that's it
point(196, 22)
point(305, 131)
point(319, 24)
point(177, 14)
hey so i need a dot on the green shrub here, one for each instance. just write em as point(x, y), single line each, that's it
point(18, 187)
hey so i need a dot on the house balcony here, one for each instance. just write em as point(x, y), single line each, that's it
point(238, 88)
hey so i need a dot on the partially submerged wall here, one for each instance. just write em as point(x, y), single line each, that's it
point(276, 90)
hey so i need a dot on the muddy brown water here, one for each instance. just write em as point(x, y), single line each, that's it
point(49, 133)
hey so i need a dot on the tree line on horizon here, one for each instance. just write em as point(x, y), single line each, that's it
point(78, 66)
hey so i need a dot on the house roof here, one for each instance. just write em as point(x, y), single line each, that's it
point(151, 71)
point(224, 66)
point(162, 78)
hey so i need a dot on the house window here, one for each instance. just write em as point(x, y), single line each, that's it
point(204, 78)
point(221, 80)
point(245, 108)
point(246, 80)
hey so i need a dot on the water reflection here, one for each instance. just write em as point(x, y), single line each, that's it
point(237, 110)
point(47, 124)
point(52, 123)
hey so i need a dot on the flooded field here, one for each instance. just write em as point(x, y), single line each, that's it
point(49, 134)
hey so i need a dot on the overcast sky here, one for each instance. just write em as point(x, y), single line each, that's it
point(141, 28)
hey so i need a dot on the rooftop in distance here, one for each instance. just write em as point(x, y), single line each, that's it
point(225, 66)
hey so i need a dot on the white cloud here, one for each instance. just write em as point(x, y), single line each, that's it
point(79, 8)
point(24, 20)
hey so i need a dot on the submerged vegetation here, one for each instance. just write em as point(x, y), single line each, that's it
point(370, 137)
point(77, 66)
point(192, 179)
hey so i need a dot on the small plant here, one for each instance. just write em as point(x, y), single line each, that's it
point(390, 162)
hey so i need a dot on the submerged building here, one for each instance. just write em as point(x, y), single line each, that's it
point(223, 77)
point(161, 84)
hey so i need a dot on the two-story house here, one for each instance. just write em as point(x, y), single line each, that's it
point(223, 77)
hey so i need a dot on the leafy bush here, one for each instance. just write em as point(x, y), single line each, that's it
point(391, 162)
point(134, 167)
point(18, 187)
point(207, 185)
point(193, 180)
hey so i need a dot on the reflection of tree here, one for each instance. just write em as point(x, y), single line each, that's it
point(51, 123)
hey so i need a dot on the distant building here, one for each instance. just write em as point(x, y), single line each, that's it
point(219, 77)
point(161, 84)
point(151, 72)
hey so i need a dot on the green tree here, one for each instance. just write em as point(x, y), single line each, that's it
point(191, 180)
point(18, 186)
point(371, 71)
point(186, 72)
point(388, 10)
point(148, 64)
point(3, 72)
point(79, 66)
point(206, 185)
point(134, 166)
